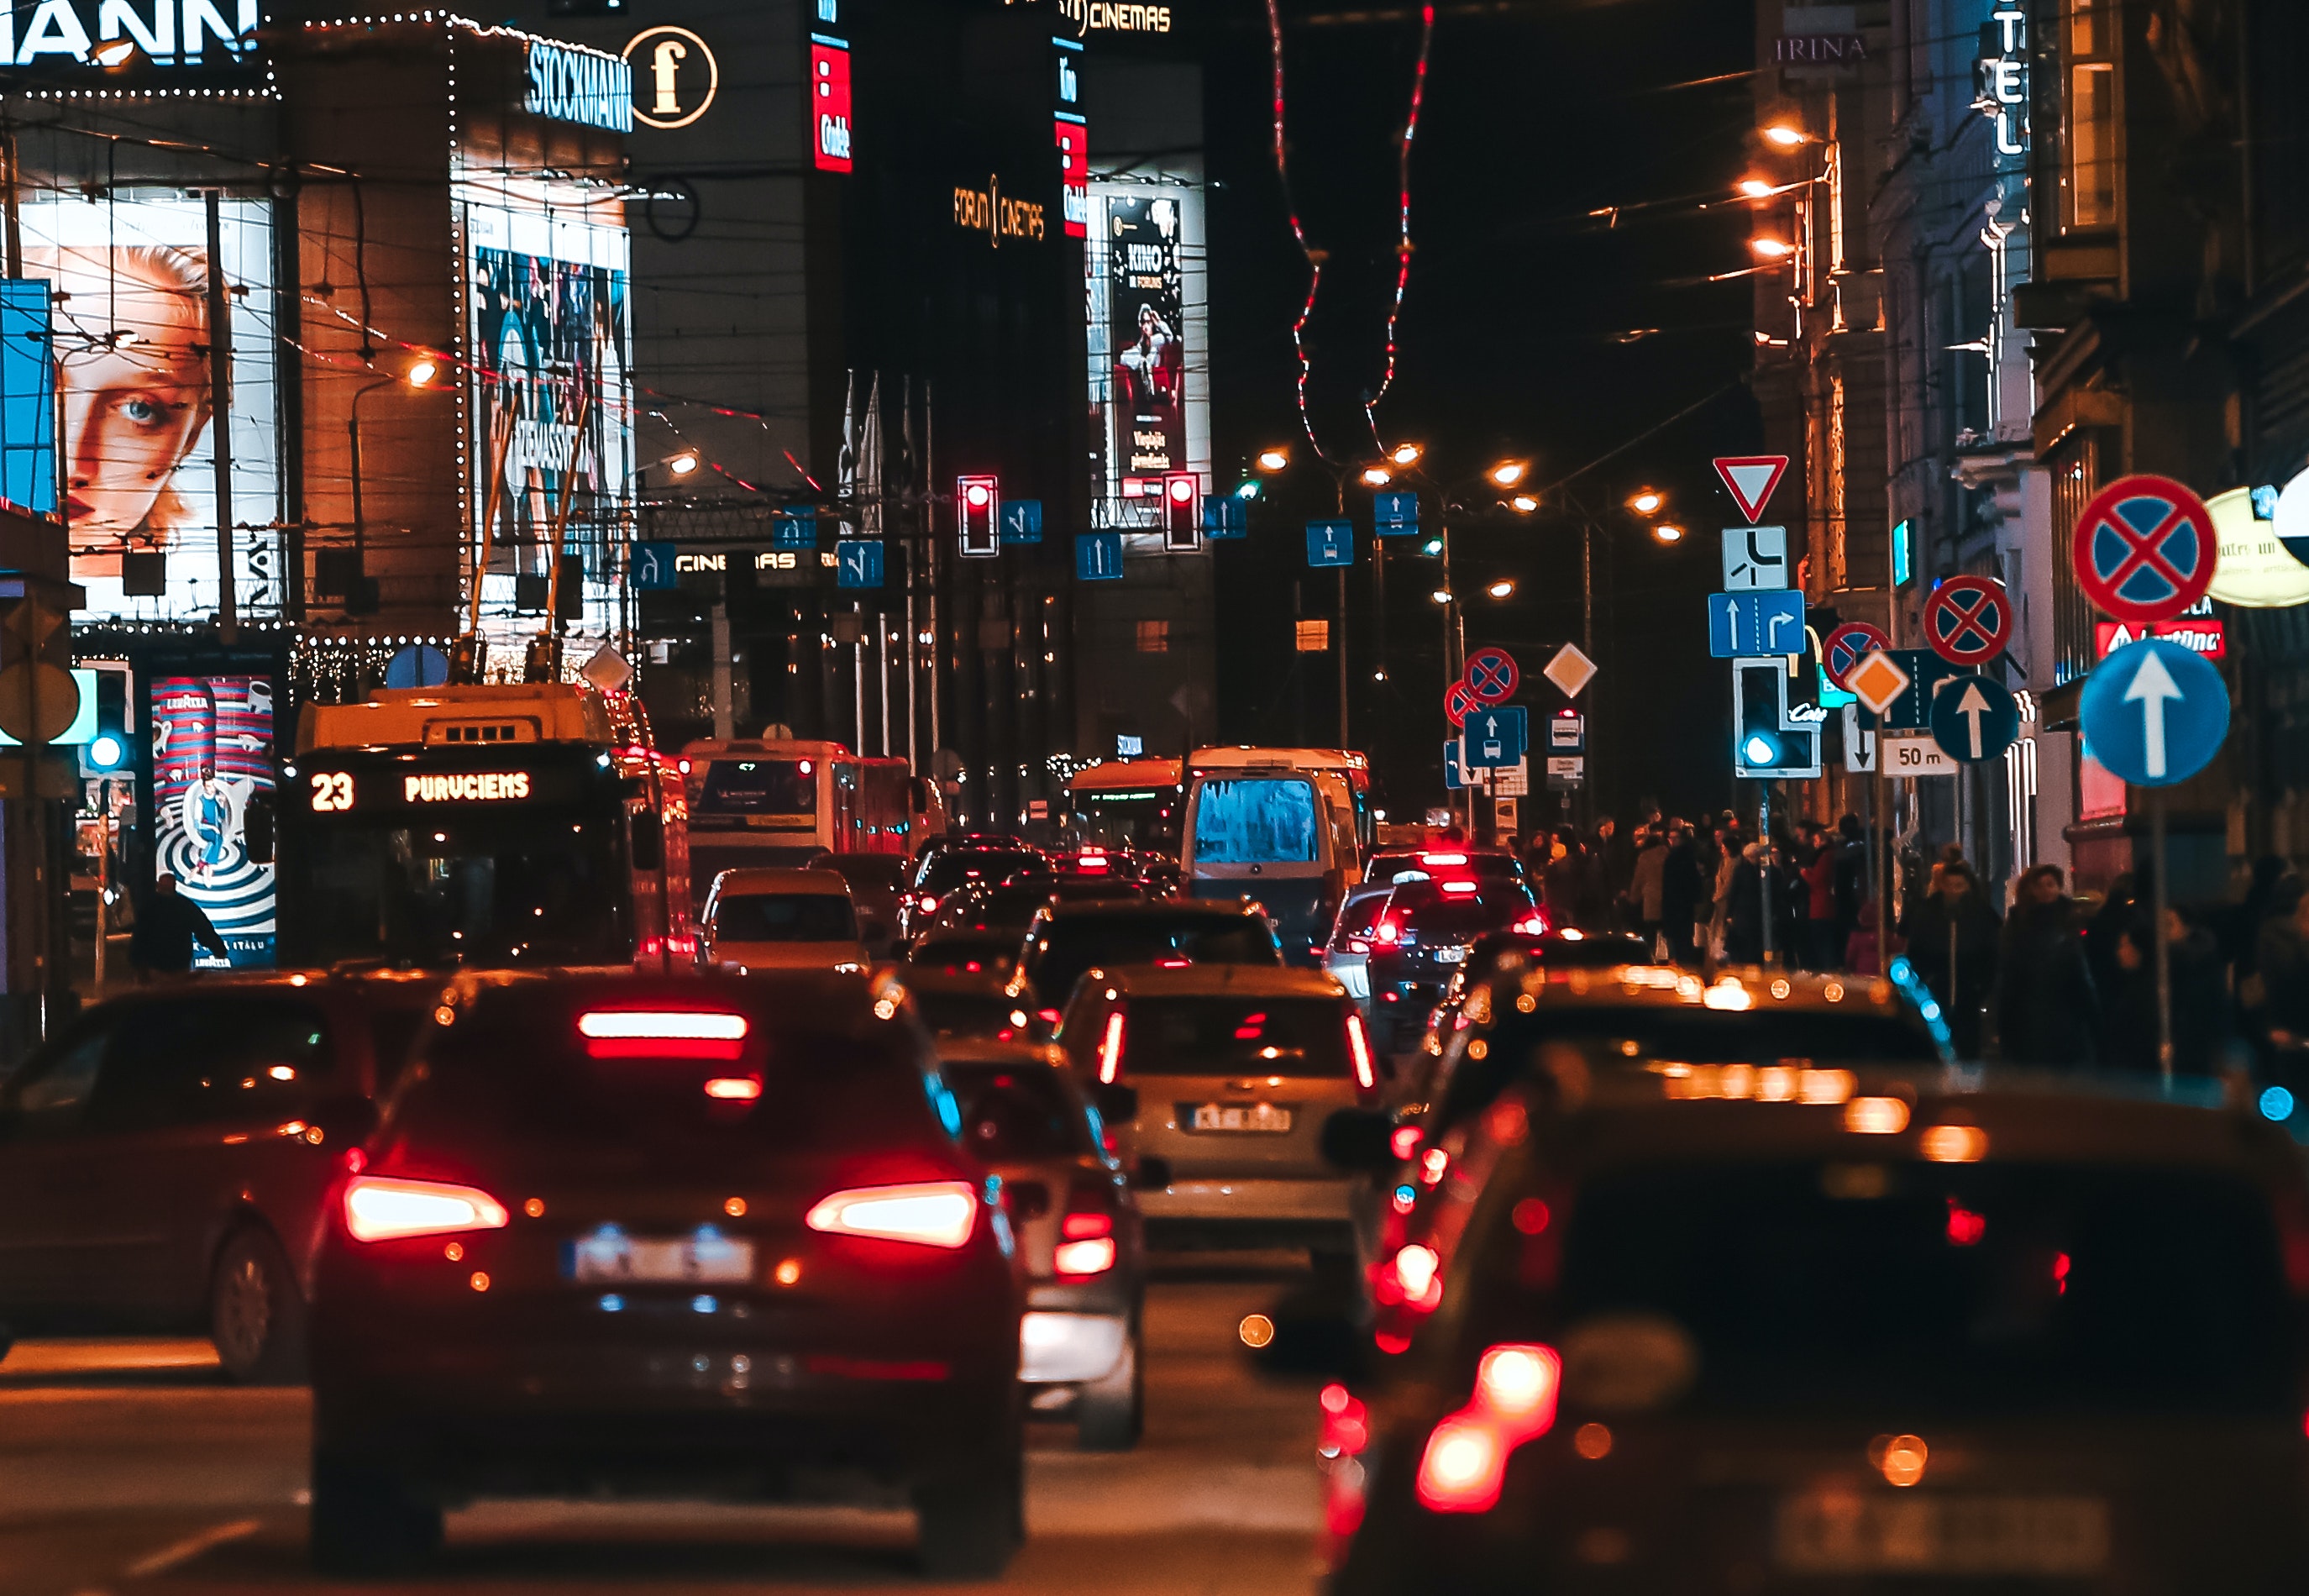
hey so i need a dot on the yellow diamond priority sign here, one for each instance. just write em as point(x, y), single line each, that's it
point(1877, 681)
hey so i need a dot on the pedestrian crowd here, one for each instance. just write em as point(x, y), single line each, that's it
point(2045, 980)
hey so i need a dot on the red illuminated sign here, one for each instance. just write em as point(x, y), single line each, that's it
point(829, 74)
point(1074, 175)
point(2201, 632)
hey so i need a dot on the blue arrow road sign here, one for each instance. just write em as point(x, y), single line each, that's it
point(795, 529)
point(1098, 557)
point(1496, 737)
point(1911, 711)
point(1022, 521)
point(858, 563)
point(1330, 542)
point(653, 566)
point(1974, 719)
point(1747, 625)
point(1452, 775)
point(2154, 713)
point(1394, 514)
point(1224, 516)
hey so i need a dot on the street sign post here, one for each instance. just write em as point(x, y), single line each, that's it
point(1569, 670)
point(652, 567)
point(2145, 548)
point(1752, 479)
point(1330, 543)
point(1492, 673)
point(1968, 619)
point(1846, 646)
point(858, 563)
point(1755, 557)
point(1975, 719)
point(1760, 621)
point(1098, 557)
point(2154, 713)
point(1497, 736)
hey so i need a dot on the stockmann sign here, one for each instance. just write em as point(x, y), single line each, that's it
point(570, 84)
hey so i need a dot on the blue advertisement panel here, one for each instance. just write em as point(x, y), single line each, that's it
point(211, 753)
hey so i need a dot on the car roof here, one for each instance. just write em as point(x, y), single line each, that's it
point(754, 882)
point(1132, 908)
point(1218, 980)
point(986, 1050)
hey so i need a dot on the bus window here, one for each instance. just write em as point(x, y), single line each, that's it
point(1260, 821)
point(759, 787)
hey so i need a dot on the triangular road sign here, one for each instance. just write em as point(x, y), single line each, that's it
point(1752, 479)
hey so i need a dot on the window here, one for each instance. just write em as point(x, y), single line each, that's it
point(1154, 637)
point(1264, 821)
point(181, 1064)
point(51, 1093)
point(785, 918)
point(2090, 169)
point(1314, 636)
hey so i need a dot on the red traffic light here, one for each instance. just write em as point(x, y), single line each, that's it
point(980, 501)
point(1183, 510)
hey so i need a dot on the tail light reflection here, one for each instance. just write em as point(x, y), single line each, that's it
point(1465, 1461)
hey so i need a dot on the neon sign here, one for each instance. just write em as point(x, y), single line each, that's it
point(569, 84)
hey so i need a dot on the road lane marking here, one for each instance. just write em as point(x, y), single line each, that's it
point(191, 1547)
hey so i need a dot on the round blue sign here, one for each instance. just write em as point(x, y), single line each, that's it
point(2154, 713)
point(417, 664)
point(1974, 719)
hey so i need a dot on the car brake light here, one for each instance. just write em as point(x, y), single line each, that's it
point(1390, 931)
point(926, 903)
point(1079, 1225)
point(1458, 889)
point(1110, 1049)
point(379, 1208)
point(734, 1088)
point(1357, 945)
point(1173, 963)
point(1047, 1016)
point(1531, 925)
point(940, 1213)
point(1093, 1255)
point(1359, 1048)
point(1402, 1141)
point(1465, 1461)
point(1433, 860)
point(642, 1033)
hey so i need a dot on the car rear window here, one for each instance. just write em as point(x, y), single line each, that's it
point(967, 1013)
point(949, 870)
point(758, 788)
point(1437, 914)
point(1304, 1038)
point(1260, 820)
point(1067, 946)
point(785, 918)
point(966, 953)
point(1920, 1289)
point(1011, 1112)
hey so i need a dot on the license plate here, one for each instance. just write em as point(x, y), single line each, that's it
point(1853, 1533)
point(1264, 1117)
point(1450, 956)
point(610, 1255)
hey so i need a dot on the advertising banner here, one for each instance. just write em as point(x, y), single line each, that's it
point(211, 753)
point(129, 273)
point(1149, 366)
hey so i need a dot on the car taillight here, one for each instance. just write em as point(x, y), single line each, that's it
point(734, 1088)
point(1532, 926)
point(1465, 1461)
point(1390, 931)
point(380, 1207)
point(1402, 1141)
point(1088, 1247)
point(926, 903)
point(1047, 1016)
point(1433, 860)
point(1358, 1049)
point(647, 1033)
point(1357, 945)
point(940, 1213)
point(1110, 1049)
point(1458, 889)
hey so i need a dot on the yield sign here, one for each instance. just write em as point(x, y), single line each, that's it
point(2145, 548)
point(1752, 479)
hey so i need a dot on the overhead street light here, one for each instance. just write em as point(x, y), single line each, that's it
point(423, 370)
point(1500, 589)
point(1377, 476)
point(1772, 248)
point(1647, 501)
point(683, 464)
point(1441, 596)
point(1523, 504)
point(1667, 532)
point(1405, 454)
point(1507, 473)
point(1757, 188)
point(1274, 459)
point(1785, 136)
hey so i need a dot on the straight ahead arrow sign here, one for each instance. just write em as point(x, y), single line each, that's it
point(1972, 706)
point(2151, 686)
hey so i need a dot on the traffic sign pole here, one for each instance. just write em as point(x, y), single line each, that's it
point(2164, 943)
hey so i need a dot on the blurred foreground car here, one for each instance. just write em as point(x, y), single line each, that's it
point(165, 1163)
point(1713, 1328)
point(1079, 1234)
point(713, 1237)
point(782, 920)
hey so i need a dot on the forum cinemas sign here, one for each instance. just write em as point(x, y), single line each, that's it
point(110, 35)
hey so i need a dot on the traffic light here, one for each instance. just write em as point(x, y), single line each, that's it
point(109, 750)
point(1183, 511)
point(978, 503)
point(1770, 739)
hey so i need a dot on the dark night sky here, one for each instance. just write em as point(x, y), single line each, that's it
point(1537, 112)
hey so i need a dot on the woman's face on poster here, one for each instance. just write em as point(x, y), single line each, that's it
point(135, 407)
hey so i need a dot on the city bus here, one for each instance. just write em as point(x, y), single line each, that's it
point(1288, 827)
point(1128, 803)
point(502, 826)
point(784, 801)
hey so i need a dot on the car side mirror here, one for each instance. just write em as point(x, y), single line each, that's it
point(1029, 1199)
point(1153, 1174)
point(1360, 1141)
point(1117, 1105)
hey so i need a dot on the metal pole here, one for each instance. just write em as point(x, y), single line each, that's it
point(2163, 900)
point(1587, 648)
point(1343, 658)
point(858, 675)
point(1764, 861)
point(882, 644)
point(1879, 867)
point(220, 421)
point(931, 561)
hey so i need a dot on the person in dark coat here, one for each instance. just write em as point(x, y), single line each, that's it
point(1851, 882)
point(1680, 893)
point(1564, 887)
point(2047, 1010)
point(2200, 1008)
point(1953, 935)
point(2281, 958)
point(2128, 894)
point(167, 927)
point(1743, 909)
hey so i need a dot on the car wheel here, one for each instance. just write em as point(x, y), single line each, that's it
point(1111, 1414)
point(365, 1520)
point(972, 1510)
point(256, 1313)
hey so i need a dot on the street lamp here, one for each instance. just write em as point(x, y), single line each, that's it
point(1784, 136)
point(1441, 596)
point(683, 464)
point(1772, 248)
point(1500, 589)
point(1377, 476)
point(1523, 504)
point(1405, 455)
point(1507, 473)
point(421, 371)
point(1756, 187)
point(1667, 532)
point(1274, 459)
point(1647, 501)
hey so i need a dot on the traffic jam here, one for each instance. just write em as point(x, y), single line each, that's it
point(721, 1126)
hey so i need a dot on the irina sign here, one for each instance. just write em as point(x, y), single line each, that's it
point(164, 32)
point(569, 84)
point(986, 211)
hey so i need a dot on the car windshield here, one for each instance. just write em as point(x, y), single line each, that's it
point(967, 865)
point(1434, 915)
point(1070, 945)
point(966, 953)
point(981, 908)
point(1262, 821)
point(1985, 1290)
point(785, 918)
point(759, 787)
point(1011, 1112)
point(1300, 1037)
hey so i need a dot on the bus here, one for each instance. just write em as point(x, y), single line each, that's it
point(1128, 803)
point(1288, 826)
point(500, 827)
point(784, 801)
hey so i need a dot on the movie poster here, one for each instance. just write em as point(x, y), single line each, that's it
point(129, 273)
point(552, 322)
point(211, 753)
point(1147, 303)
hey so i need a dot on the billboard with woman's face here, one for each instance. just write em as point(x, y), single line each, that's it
point(129, 275)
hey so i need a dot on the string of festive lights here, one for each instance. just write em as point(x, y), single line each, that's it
point(1403, 240)
point(1298, 232)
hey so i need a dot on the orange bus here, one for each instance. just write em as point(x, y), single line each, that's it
point(788, 802)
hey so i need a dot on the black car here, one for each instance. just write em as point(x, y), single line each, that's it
point(950, 870)
point(1066, 939)
point(714, 1237)
point(1710, 1329)
point(166, 1161)
point(1442, 861)
point(1421, 940)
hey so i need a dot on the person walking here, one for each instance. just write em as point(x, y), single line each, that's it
point(1680, 893)
point(1953, 935)
point(167, 928)
point(1824, 931)
point(1648, 891)
point(1564, 887)
point(2045, 1002)
point(2281, 959)
point(2200, 1027)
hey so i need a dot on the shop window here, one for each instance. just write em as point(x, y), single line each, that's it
point(1154, 637)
